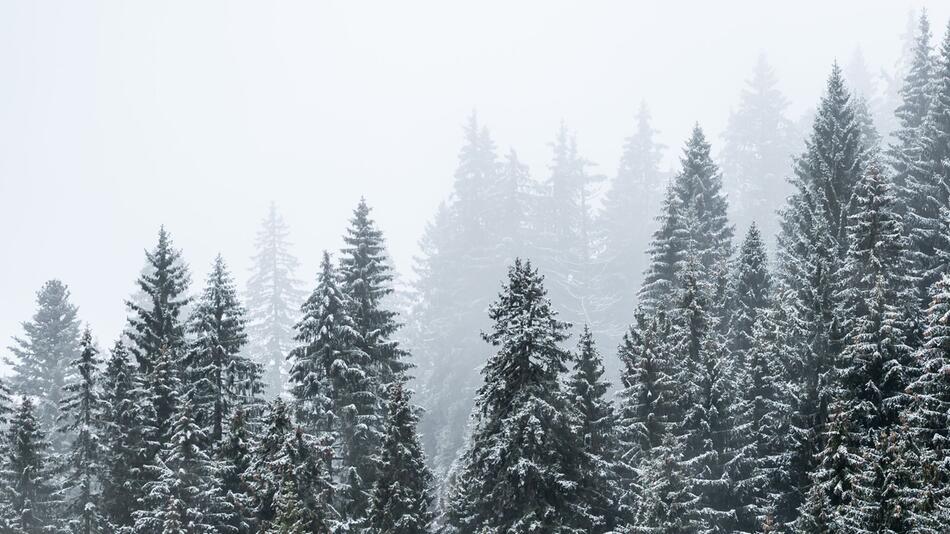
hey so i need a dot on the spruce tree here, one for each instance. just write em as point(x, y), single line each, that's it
point(749, 293)
point(234, 458)
point(666, 252)
point(263, 481)
point(757, 150)
point(82, 416)
point(163, 391)
point(27, 487)
point(155, 325)
point(636, 189)
point(599, 487)
point(366, 277)
point(184, 496)
point(401, 501)
point(223, 378)
point(518, 473)
point(273, 298)
point(42, 357)
point(126, 432)
point(666, 500)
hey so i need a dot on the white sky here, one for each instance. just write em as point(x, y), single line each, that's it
point(116, 117)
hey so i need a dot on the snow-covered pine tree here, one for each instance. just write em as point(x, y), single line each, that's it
point(595, 424)
point(401, 501)
point(695, 211)
point(82, 418)
point(155, 326)
point(748, 295)
point(6, 405)
point(666, 501)
point(637, 188)
point(760, 434)
point(335, 388)
point(27, 488)
point(517, 473)
point(366, 278)
point(563, 233)
point(127, 417)
point(876, 364)
point(42, 357)
point(263, 481)
point(756, 155)
point(273, 299)
point(916, 91)
point(289, 518)
point(234, 458)
point(649, 402)
point(705, 384)
point(224, 379)
point(184, 496)
point(163, 393)
point(927, 195)
point(884, 493)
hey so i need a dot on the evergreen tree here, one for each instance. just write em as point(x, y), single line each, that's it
point(162, 395)
point(749, 295)
point(184, 496)
point(223, 378)
point(927, 193)
point(27, 489)
point(42, 357)
point(915, 98)
point(401, 501)
point(695, 212)
point(263, 481)
point(518, 473)
point(155, 326)
point(234, 459)
point(273, 297)
point(6, 405)
point(366, 277)
point(82, 414)
point(595, 424)
point(757, 150)
point(126, 430)
point(666, 499)
point(636, 189)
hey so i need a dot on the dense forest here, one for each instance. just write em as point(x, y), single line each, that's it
point(770, 353)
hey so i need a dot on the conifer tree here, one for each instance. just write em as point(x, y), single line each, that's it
point(82, 416)
point(263, 481)
point(6, 405)
point(162, 395)
point(748, 296)
point(401, 501)
point(637, 188)
point(366, 277)
point(927, 194)
point(126, 432)
point(595, 425)
point(223, 378)
point(155, 325)
point(234, 459)
point(184, 496)
point(517, 473)
point(273, 299)
point(289, 518)
point(757, 150)
point(666, 501)
point(915, 99)
point(42, 357)
point(27, 487)
point(666, 251)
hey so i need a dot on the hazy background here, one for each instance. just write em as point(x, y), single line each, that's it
point(116, 117)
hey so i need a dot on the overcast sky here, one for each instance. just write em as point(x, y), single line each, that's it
point(117, 117)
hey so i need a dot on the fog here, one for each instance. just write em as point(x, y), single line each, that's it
point(118, 117)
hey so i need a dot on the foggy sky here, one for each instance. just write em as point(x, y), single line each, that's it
point(117, 117)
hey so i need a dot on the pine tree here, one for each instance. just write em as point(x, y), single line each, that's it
point(695, 212)
point(184, 496)
point(517, 473)
point(28, 488)
point(162, 395)
point(289, 518)
point(649, 402)
point(666, 499)
point(263, 481)
point(6, 405)
point(41, 364)
point(636, 189)
point(273, 297)
point(127, 418)
point(401, 501)
point(915, 98)
point(595, 424)
point(82, 414)
point(223, 378)
point(927, 195)
point(234, 458)
point(366, 277)
point(155, 326)
point(749, 295)
point(756, 154)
